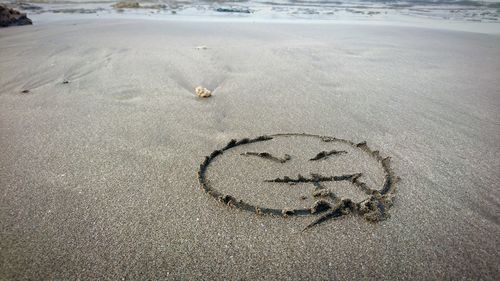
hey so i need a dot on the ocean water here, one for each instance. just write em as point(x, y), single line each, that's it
point(471, 14)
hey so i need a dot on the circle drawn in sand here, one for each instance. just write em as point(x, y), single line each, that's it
point(326, 204)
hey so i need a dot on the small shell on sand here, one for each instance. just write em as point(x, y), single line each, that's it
point(202, 92)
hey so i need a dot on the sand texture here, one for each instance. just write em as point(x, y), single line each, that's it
point(102, 138)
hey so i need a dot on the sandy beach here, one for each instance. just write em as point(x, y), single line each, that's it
point(99, 156)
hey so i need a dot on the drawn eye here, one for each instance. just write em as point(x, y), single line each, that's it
point(268, 156)
point(326, 154)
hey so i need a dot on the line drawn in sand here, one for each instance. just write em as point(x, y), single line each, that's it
point(269, 156)
point(328, 205)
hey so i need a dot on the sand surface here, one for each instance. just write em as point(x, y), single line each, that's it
point(98, 176)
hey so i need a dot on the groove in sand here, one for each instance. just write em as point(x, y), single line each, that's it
point(373, 209)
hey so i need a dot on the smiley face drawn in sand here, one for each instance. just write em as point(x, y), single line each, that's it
point(300, 175)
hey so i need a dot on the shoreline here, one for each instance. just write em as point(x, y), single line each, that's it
point(473, 27)
point(481, 18)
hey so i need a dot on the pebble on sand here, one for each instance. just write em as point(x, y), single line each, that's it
point(202, 92)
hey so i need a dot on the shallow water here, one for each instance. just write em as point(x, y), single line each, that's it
point(439, 11)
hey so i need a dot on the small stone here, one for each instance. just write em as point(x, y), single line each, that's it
point(202, 92)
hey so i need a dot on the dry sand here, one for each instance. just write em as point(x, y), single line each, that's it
point(98, 176)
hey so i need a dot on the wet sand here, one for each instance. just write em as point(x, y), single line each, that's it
point(99, 174)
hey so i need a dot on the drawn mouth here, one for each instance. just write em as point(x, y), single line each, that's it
point(316, 178)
